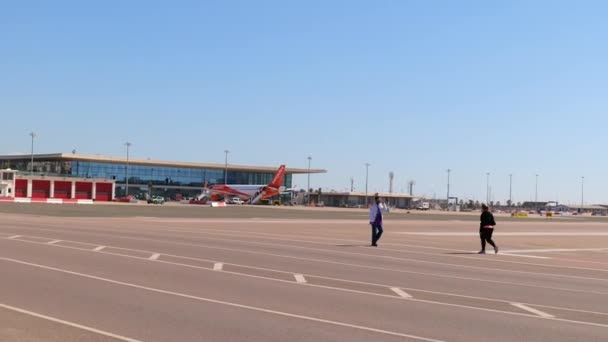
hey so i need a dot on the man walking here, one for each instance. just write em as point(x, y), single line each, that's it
point(375, 219)
point(486, 228)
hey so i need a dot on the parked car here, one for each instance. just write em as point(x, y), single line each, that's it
point(156, 200)
point(236, 200)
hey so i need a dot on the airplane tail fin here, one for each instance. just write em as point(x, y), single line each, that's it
point(277, 181)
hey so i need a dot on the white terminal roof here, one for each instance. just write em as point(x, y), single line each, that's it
point(162, 163)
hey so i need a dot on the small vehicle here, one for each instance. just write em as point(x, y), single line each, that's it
point(156, 200)
point(424, 206)
point(236, 200)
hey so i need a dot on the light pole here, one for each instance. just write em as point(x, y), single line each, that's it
point(536, 192)
point(582, 193)
point(33, 135)
point(510, 190)
point(308, 187)
point(366, 179)
point(488, 188)
point(448, 198)
point(226, 167)
point(128, 145)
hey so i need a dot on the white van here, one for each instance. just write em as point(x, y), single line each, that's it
point(236, 200)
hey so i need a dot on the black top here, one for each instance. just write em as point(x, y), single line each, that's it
point(487, 219)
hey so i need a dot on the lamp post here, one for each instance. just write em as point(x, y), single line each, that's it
point(33, 135)
point(128, 145)
point(488, 188)
point(226, 167)
point(448, 198)
point(536, 191)
point(308, 186)
point(582, 193)
point(510, 189)
point(366, 182)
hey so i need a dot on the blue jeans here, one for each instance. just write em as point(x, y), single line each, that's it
point(376, 232)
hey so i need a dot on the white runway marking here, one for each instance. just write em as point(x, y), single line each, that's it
point(505, 233)
point(330, 278)
point(74, 325)
point(212, 232)
point(400, 292)
point(497, 260)
point(300, 278)
point(99, 249)
point(549, 250)
point(532, 310)
point(54, 242)
point(525, 256)
point(355, 291)
point(154, 256)
point(14, 237)
point(214, 301)
point(352, 253)
point(218, 266)
point(336, 263)
point(518, 255)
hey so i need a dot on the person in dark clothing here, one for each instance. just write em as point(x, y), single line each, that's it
point(486, 228)
point(375, 219)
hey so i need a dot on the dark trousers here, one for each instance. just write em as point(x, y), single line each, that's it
point(485, 234)
point(376, 232)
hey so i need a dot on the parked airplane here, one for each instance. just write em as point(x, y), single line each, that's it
point(250, 193)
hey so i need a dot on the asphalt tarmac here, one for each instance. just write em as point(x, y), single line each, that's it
point(152, 273)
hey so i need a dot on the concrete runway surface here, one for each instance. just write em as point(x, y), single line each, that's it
point(71, 278)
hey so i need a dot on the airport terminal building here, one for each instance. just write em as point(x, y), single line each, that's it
point(165, 177)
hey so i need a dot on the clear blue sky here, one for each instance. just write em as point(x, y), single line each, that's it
point(414, 87)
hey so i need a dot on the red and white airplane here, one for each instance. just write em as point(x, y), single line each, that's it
point(251, 193)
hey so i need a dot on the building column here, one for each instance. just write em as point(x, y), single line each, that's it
point(113, 191)
point(94, 191)
point(52, 191)
point(29, 188)
point(73, 196)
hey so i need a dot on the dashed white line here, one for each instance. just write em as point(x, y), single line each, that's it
point(99, 249)
point(525, 256)
point(300, 278)
point(154, 256)
point(532, 310)
point(218, 266)
point(231, 304)
point(356, 291)
point(400, 292)
point(549, 250)
point(54, 242)
point(74, 325)
point(517, 255)
point(506, 233)
point(387, 257)
point(338, 263)
point(498, 260)
point(14, 237)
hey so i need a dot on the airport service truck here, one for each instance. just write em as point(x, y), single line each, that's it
point(424, 206)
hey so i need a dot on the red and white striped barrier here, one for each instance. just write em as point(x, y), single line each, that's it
point(45, 200)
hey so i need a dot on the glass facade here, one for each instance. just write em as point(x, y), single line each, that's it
point(142, 175)
point(174, 176)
